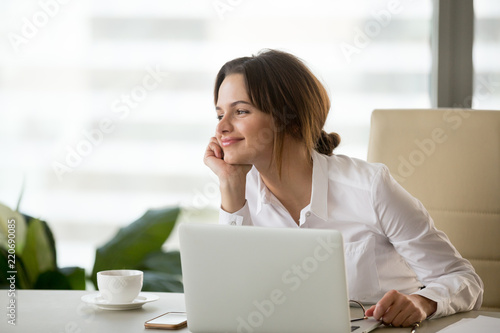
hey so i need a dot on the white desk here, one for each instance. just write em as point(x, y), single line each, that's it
point(57, 311)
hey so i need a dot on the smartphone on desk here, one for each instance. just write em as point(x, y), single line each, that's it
point(168, 321)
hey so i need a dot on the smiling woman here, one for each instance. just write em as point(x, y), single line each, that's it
point(242, 128)
point(395, 258)
point(285, 110)
point(254, 79)
point(89, 63)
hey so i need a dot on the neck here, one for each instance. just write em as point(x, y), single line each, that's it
point(294, 187)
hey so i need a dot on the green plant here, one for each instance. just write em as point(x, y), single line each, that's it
point(139, 246)
point(27, 247)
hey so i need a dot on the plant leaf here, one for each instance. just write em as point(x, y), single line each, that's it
point(134, 242)
point(50, 237)
point(75, 277)
point(52, 280)
point(166, 262)
point(7, 214)
point(164, 282)
point(38, 255)
point(22, 276)
point(21, 280)
point(4, 268)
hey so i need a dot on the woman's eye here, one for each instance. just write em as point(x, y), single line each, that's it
point(241, 111)
point(219, 117)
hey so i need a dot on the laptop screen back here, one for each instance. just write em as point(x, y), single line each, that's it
point(254, 279)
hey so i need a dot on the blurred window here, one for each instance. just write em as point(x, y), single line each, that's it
point(486, 50)
point(106, 110)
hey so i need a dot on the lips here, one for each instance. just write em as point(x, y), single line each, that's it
point(226, 142)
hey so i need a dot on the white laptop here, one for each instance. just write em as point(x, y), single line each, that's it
point(253, 279)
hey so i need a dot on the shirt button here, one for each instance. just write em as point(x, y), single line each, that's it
point(308, 214)
point(233, 223)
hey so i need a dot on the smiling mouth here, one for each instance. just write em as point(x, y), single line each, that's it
point(229, 142)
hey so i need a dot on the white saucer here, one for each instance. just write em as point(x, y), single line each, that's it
point(138, 302)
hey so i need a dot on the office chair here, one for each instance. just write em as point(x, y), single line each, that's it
point(449, 159)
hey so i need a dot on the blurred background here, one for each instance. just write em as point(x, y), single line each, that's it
point(106, 107)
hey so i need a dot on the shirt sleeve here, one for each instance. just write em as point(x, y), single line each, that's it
point(241, 217)
point(449, 279)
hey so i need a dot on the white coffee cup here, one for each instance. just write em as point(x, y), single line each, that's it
point(119, 286)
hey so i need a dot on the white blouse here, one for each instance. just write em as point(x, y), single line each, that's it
point(390, 239)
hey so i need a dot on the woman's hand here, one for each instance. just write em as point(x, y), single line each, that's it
point(402, 310)
point(232, 177)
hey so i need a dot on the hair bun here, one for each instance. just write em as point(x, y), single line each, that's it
point(327, 142)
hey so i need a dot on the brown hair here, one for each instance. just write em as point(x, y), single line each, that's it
point(279, 84)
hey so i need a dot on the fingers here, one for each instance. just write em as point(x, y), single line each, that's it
point(214, 159)
point(369, 312)
point(402, 318)
point(384, 304)
point(397, 309)
point(213, 149)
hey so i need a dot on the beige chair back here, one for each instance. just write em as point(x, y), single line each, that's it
point(450, 160)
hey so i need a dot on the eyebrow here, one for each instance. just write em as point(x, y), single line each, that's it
point(233, 104)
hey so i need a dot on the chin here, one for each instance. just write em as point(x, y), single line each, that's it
point(234, 159)
point(231, 160)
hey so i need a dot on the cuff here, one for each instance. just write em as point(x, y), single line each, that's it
point(241, 217)
point(428, 293)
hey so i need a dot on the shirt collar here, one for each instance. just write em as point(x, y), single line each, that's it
point(319, 195)
point(262, 188)
point(320, 180)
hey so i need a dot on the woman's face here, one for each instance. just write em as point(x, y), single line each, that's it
point(244, 132)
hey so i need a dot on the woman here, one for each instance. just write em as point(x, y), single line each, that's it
point(276, 168)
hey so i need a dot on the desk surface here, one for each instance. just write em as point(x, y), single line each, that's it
point(63, 311)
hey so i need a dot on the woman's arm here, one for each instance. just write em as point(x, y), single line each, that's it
point(451, 284)
point(398, 309)
point(232, 178)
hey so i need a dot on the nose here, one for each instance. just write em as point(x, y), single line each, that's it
point(224, 125)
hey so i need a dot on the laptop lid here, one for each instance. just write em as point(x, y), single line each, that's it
point(254, 279)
